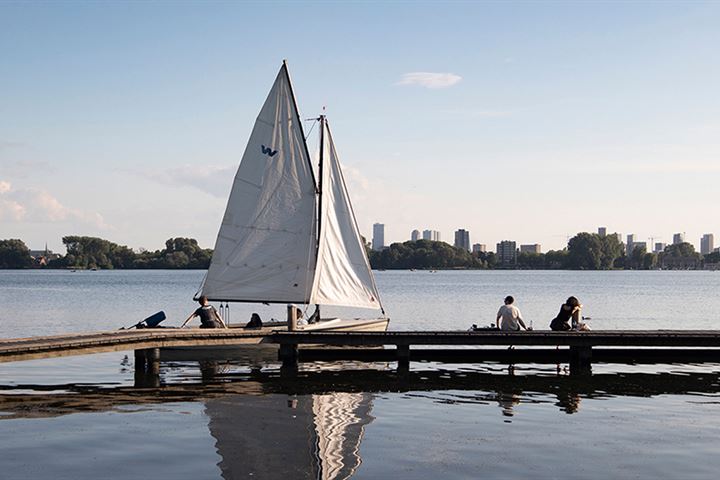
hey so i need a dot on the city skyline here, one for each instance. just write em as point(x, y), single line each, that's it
point(127, 121)
point(705, 243)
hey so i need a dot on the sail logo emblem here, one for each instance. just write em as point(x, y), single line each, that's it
point(268, 151)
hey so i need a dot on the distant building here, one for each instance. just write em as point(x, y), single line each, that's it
point(479, 248)
point(415, 235)
point(433, 235)
point(707, 243)
point(532, 248)
point(659, 247)
point(507, 253)
point(602, 231)
point(378, 240)
point(629, 244)
point(462, 239)
point(678, 238)
point(42, 257)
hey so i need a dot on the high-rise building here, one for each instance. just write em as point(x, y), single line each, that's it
point(602, 231)
point(532, 248)
point(415, 235)
point(707, 243)
point(378, 240)
point(678, 238)
point(507, 253)
point(462, 239)
point(479, 248)
point(433, 235)
point(659, 247)
point(629, 245)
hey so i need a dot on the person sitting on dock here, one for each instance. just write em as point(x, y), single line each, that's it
point(571, 310)
point(509, 317)
point(255, 321)
point(209, 316)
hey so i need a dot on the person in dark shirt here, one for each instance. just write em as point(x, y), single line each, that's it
point(209, 317)
point(569, 311)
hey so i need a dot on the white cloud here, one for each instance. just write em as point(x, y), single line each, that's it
point(213, 180)
point(35, 205)
point(429, 79)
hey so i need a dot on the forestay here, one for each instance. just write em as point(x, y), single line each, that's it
point(265, 250)
point(343, 275)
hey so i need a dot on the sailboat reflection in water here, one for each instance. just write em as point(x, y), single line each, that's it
point(276, 436)
point(285, 237)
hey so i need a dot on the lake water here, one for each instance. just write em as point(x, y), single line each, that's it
point(233, 415)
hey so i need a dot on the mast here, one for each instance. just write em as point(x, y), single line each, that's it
point(320, 191)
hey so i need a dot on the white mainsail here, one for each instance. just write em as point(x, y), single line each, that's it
point(343, 276)
point(265, 250)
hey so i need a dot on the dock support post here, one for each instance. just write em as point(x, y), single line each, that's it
point(288, 353)
point(580, 359)
point(292, 318)
point(147, 368)
point(403, 355)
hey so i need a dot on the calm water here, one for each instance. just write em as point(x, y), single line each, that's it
point(233, 415)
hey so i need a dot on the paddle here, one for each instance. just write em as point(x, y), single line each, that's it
point(150, 322)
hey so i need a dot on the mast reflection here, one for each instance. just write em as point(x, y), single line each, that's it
point(287, 436)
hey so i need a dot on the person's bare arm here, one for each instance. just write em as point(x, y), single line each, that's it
point(520, 321)
point(192, 315)
point(219, 318)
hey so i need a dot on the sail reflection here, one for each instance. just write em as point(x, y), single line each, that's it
point(273, 436)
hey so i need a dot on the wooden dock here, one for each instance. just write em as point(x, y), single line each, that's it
point(580, 352)
point(15, 349)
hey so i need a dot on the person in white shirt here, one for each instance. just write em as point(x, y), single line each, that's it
point(509, 317)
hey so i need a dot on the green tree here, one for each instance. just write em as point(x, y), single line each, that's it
point(423, 254)
point(585, 251)
point(14, 254)
point(649, 261)
point(557, 259)
point(637, 257)
point(531, 260)
point(612, 250)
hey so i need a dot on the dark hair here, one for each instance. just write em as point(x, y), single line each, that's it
point(509, 299)
point(572, 302)
point(202, 299)
point(254, 316)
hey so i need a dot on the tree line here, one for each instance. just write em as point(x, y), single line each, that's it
point(93, 252)
point(585, 251)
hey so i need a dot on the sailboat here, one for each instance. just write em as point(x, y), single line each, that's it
point(288, 236)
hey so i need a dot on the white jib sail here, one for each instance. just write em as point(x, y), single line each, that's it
point(265, 250)
point(343, 276)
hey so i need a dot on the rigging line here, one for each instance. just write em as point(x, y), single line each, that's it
point(315, 121)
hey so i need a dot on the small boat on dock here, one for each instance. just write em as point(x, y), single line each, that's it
point(289, 234)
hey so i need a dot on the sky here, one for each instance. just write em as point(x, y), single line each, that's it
point(525, 121)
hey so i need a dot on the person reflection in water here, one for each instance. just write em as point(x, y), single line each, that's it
point(571, 310)
point(508, 402)
point(568, 402)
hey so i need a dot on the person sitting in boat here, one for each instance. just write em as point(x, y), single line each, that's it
point(570, 311)
point(509, 317)
point(209, 316)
